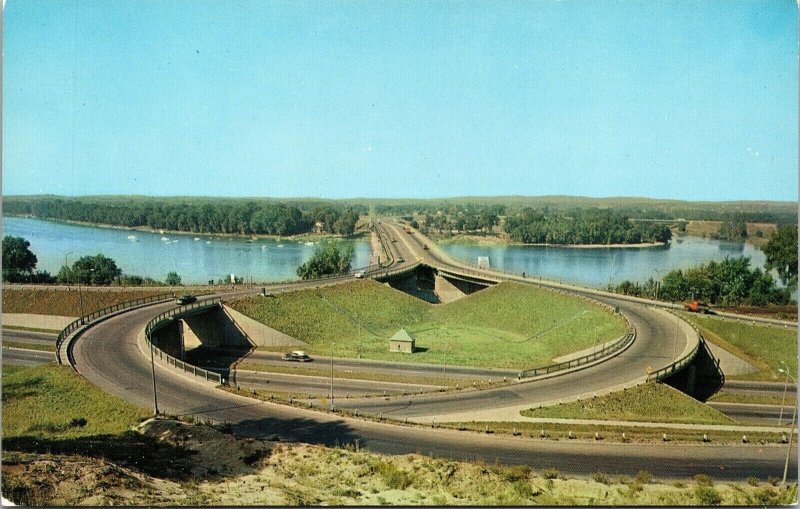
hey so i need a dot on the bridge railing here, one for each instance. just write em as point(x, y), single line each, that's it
point(608, 349)
point(384, 245)
point(683, 361)
point(85, 319)
point(168, 316)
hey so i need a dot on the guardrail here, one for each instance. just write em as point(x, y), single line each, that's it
point(384, 245)
point(607, 350)
point(83, 320)
point(683, 361)
point(675, 366)
point(168, 316)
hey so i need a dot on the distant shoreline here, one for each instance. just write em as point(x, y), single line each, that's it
point(146, 229)
point(496, 241)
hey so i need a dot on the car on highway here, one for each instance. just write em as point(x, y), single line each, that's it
point(185, 299)
point(297, 356)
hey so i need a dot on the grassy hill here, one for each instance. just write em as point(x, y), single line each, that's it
point(507, 326)
point(653, 402)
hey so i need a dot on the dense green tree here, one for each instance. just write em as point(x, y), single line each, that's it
point(91, 270)
point(327, 260)
point(781, 253)
point(18, 260)
point(730, 282)
point(172, 279)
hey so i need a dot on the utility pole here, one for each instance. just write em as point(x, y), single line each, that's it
point(153, 368)
point(333, 344)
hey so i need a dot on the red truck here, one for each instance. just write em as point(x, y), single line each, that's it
point(697, 307)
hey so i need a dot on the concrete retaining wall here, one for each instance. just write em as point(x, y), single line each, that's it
point(258, 333)
point(51, 322)
point(446, 290)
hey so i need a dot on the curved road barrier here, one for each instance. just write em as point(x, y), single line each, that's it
point(607, 351)
point(61, 340)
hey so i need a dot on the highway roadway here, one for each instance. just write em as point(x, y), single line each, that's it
point(108, 356)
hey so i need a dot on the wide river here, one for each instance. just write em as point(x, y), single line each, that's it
point(197, 261)
point(154, 255)
point(597, 267)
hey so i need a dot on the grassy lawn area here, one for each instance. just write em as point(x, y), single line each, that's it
point(764, 347)
point(55, 402)
point(30, 346)
point(66, 302)
point(505, 326)
point(652, 402)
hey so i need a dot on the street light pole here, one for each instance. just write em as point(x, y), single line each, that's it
point(153, 367)
point(783, 400)
point(791, 430)
point(333, 344)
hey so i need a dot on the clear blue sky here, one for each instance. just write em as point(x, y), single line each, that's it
point(687, 99)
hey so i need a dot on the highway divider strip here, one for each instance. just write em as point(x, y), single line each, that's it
point(61, 340)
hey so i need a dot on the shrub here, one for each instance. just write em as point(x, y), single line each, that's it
point(77, 422)
point(523, 488)
point(550, 473)
point(753, 481)
point(703, 480)
point(601, 478)
point(707, 495)
point(773, 480)
point(644, 477)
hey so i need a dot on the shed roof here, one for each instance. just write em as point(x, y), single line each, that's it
point(402, 335)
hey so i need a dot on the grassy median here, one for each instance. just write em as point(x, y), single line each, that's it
point(652, 402)
point(505, 326)
point(761, 345)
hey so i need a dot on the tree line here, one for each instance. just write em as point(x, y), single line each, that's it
point(243, 218)
point(732, 281)
point(582, 226)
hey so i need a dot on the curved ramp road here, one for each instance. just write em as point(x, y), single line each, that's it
point(108, 356)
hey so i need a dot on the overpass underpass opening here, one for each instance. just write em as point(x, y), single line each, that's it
point(436, 287)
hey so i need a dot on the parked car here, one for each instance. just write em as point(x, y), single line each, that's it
point(359, 275)
point(185, 299)
point(297, 356)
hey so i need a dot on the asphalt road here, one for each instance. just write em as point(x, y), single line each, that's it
point(108, 356)
point(380, 367)
point(320, 386)
point(761, 415)
point(38, 338)
point(22, 357)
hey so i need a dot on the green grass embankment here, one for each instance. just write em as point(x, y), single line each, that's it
point(66, 302)
point(506, 326)
point(30, 346)
point(52, 401)
point(652, 402)
point(761, 345)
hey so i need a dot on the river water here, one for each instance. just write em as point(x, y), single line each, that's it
point(209, 257)
point(599, 266)
point(154, 255)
